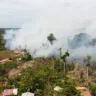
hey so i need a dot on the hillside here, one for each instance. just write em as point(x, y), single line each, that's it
point(41, 75)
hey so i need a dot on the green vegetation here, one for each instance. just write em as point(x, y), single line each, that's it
point(27, 56)
point(68, 90)
point(41, 75)
point(51, 38)
point(42, 81)
point(2, 42)
point(92, 88)
point(5, 67)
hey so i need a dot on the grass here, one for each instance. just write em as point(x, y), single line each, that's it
point(6, 54)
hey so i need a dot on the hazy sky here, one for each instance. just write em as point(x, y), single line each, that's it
point(14, 13)
point(38, 18)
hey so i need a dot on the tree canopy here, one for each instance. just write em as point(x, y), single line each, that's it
point(51, 38)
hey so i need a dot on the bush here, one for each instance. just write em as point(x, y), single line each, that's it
point(27, 56)
point(92, 89)
point(68, 90)
point(6, 67)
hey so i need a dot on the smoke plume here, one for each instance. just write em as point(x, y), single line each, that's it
point(66, 19)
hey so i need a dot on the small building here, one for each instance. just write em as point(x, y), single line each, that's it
point(9, 92)
point(57, 88)
point(28, 94)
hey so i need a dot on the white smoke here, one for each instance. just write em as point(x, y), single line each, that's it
point(63, 18)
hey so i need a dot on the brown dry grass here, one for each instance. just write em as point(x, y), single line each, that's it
point(6, 54)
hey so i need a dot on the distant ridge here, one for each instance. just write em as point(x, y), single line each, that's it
point(9, 28)
point(2, 30)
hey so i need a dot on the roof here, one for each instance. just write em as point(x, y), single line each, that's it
point(10, 92)
point(57, 88)
point(28, 94)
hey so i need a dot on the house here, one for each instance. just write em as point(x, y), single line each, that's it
point(28, 94)
point(8, 92)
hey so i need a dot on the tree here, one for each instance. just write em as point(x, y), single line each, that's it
point(64, 60)
point(51, 38)
point(2, 41)
point(88, 64)
point(27, 56)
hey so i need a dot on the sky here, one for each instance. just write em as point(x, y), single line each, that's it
point(14, 13)
point(38, 18)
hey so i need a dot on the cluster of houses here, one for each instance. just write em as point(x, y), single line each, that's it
point(83, 90)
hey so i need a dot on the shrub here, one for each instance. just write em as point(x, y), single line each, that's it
point(27, 56)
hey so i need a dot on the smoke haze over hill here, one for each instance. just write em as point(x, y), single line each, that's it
point(63, 18)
